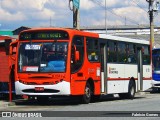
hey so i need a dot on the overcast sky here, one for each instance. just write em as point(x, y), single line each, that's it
point(36, 13)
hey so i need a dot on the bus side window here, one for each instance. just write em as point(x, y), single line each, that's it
point(92, 50)
point(122, 54)
point(112, 51)
point(132, 58)
point(146, 54)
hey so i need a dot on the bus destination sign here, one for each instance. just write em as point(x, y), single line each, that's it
point(44, 35)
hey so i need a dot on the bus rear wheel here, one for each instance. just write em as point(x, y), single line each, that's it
point(86, 98)
point(131, 90)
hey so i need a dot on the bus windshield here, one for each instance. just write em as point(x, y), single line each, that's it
point(42, 57)
point(156, 62)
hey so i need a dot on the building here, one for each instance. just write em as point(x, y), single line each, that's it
point(130, 31)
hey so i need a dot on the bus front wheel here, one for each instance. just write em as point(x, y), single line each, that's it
point(86, 98)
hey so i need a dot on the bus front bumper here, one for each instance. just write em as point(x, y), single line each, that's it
point(62, 88)
point(155, 84)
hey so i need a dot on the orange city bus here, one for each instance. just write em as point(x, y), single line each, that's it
point(66, 62)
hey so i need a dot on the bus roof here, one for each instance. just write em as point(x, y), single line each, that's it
point(3, 37)
point(124, 39)
point(78, 32)
point(84, 33)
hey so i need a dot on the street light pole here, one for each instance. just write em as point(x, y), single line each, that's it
point(74, 6)
point(75, 18)
point(151, 17)
point(153, 7)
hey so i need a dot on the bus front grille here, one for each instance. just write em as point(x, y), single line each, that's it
point(44, 91)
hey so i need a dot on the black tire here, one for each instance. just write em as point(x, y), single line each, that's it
point(131, 90)
point(155, 90)
point(123, 95)
point(86, 98)
point(95, 98)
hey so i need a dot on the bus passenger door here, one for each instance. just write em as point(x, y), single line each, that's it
point(103, 68)
point(140, 69)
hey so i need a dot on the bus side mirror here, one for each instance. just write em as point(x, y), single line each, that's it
point(13, 50)
point(77, 56)
point(12, 53)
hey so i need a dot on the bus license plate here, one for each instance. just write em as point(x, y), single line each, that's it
point(39, 88)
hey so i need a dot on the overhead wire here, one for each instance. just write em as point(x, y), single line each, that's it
point(112, 12)
point(139, 6)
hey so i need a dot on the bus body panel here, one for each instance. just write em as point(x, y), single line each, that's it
point(131, 71)
point(147, 77)
point(115, 86)
point(88, 71)
point(119, 75)
point(147, 71)
point(146, 85)
point(116, 71)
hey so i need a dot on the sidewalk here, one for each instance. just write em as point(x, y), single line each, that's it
point(4, 104)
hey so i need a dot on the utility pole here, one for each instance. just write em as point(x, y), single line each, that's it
point(151, 18)
point(74, 6)
point(153, 7)
point(106, 15)
point(76, 18)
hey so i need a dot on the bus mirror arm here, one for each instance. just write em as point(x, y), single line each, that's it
point(12, 52)
point(77, 55)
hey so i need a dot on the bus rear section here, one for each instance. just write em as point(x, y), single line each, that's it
point(125, 65)
point(156, 69)
point(4, 65)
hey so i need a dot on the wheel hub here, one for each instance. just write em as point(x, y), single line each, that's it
point(87, 92)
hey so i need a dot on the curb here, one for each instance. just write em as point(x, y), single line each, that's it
point(4, 104)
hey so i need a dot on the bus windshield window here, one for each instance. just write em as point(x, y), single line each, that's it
point(156, 62)
point(42, 57)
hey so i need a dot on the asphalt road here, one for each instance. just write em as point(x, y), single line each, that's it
point(108, 107)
